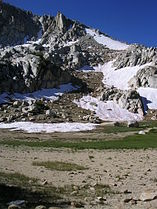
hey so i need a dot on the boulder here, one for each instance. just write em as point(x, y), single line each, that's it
point(133, 124)
point(13, 206)
point(148, 196)
point(141, 132)
point(146, 77)
point(16, 103)
point(40, 207)
point(128, 99)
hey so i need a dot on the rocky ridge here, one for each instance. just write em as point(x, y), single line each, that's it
point(45, 52)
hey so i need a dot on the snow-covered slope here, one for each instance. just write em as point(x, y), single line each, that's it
point(118, 78)
point(107, 111)
point(49, 94)
point(149, 97)
point(47, 127)
point(106, 41)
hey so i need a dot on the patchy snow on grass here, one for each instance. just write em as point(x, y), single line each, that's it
point(49, 94)
point(149, 97)
point(107, 111)
point(118, 78)
point(107, 41)
point(31, 127)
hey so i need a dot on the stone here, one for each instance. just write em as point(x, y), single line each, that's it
point(77, 204)
point(100, 200)
point(48, 112)
point(25, 109)
point(133, 124)
point(17, 204)
point(141, 132)
point(45, 182)
point(13, 206)
point(117, 124)
point(9, 118)
point(54, 208)
point(2, 120)
point(31, 119)
point(16, 103)
point(74, 192)
point(148, 196)
point(127, 200)
point(40, 207)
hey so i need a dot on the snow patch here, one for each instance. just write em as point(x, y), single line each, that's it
point(107, 111)
point(106, 41)
point(118, 78)
point(48, 127)
point(49, 94)
point(70, 43)
point(27, 42)
point(149, 97)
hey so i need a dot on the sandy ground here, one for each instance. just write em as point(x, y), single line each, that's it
point(129, 173)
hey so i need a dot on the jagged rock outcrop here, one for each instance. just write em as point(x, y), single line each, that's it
point(129, 100)
point(136, 55)
point(48, 61)
point(17, 26)
point(146, 77)
point(31, 76)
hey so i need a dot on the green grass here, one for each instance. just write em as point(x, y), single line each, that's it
point(28, 189)
point(59, 166)
point(130, 142)
point(148, 124)
point(123, 127)
point(120, 129)
point(16, 179)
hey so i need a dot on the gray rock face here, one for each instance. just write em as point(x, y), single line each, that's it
point(146, 77)
point(48, 62)
point(129, 100)
point(136, 55)
point(17, 26)
point(30, 76)
point(61, 22)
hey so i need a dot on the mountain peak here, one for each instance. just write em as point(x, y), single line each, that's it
point(45, 52)
point(61, 21)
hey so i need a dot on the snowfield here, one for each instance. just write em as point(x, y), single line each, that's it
point(118, 78)
point(106, 41)
point(30, 127)
point(49, 94)
point(149, 97)
point(107, 111)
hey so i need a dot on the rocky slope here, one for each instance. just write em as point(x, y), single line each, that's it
point(44, 52)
